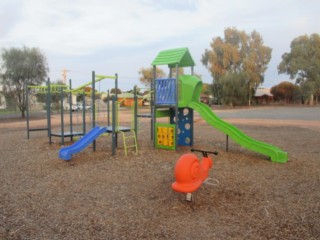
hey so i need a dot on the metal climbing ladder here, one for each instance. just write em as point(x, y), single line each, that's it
point(129, 141)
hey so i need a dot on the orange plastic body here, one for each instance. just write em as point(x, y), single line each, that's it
point(190, 173)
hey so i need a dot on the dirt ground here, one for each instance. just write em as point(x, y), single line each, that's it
point(98, 196)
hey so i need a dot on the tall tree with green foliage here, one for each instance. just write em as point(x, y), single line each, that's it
point(236, 55)
point(302, 63)
point(206, 88)
point(20, 68)
point(234, 89)
point(146, 75)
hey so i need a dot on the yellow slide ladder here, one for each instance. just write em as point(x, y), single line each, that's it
point(129, 141)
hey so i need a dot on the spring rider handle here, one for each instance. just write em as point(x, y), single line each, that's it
point(204, 153)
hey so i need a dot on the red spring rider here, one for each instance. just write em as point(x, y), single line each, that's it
point(190, 173)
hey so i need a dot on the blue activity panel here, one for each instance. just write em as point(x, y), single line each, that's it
point(165, 91)
point(185, 126)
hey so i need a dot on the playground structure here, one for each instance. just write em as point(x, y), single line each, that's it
point(111, 127)
point(177, 98)
point(174, 98)
point(46, 91)
point(62, 91)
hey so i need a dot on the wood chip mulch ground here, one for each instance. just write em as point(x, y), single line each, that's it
point(99, 196)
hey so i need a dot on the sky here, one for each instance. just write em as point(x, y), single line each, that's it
point(122, 36)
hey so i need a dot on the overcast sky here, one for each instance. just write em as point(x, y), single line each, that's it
point(121, 36)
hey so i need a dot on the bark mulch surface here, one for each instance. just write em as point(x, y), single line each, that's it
point(99, 196)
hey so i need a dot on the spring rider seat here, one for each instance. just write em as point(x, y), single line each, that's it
point(190, 173)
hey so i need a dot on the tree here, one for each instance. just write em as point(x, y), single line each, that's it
point(20, 68)
point(114, 91)
point(286, 91)
point(206, 88)
point(147, 75)
point(238, 53)
point(302, 63)
point(217, 92)
point(307, 89)
point(234, 89)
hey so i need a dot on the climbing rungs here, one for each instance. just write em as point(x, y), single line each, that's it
point(130, 138)
point(125, 138)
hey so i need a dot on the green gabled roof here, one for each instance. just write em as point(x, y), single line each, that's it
point(171, 57)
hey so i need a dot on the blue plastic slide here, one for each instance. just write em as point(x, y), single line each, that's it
point(65, 153)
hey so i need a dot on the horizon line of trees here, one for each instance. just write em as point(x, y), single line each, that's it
point(237, 63)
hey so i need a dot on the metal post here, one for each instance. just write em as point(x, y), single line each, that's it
point(93, 94)
point(115, 112)
point(84, 112)
point(116, 115)
point(176, 106)
point(62, 116)
point(135, 113)
point(27, 112)
point(153, 105)
point(189, 197)
point(192, 70)
point(70, 111)
point(49, 109)
point(113, 126)
point(108, 109)
point(227, 143)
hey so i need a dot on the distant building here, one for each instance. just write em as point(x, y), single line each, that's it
point(127, 99)
point(263, 96)
point(206, 99)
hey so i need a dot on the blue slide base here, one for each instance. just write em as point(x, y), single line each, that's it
point(65, 153)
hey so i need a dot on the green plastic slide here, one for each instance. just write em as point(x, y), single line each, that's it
point(190, 90)
point(275, 153)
